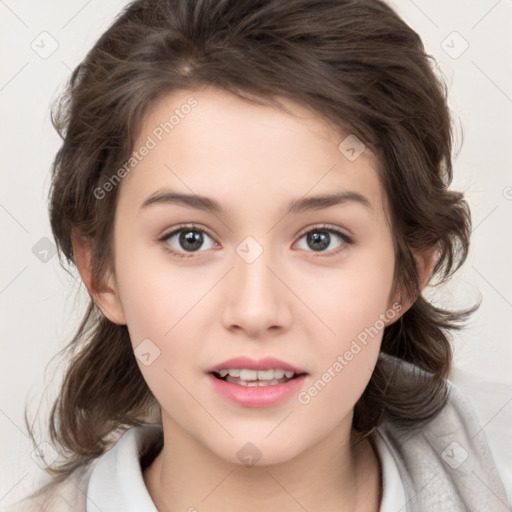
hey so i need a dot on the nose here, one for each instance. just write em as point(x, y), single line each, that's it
point(257, 300)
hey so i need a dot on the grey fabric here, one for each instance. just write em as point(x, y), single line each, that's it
point(447, 465)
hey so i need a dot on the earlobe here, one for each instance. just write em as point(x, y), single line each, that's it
point(104, 292)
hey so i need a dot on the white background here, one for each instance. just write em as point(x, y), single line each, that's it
point(40, 304)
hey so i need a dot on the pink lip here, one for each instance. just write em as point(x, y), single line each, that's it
point(256, 396)
point(267, 363)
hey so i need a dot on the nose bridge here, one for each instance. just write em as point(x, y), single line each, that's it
point(256, 298)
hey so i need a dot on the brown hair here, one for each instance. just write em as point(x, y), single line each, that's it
point(354, 62)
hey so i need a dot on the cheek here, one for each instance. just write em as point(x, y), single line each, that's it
point(353, 308)
point(157, 296)
point(163, 305)
point(161, 324)
point(353, 299)
point(162, 321)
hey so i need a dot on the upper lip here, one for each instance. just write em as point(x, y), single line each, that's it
point(266, 363)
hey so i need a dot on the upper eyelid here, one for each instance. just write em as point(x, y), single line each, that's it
point(324, 227)
point(177, 229)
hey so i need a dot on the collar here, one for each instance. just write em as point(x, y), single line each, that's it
point(116, 482)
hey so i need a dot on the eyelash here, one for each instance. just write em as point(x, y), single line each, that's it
point(193, 227)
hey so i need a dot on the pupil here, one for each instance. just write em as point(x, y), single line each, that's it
point(191, 240)
point(319, 240)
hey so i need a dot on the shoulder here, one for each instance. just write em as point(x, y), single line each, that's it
point(113, 481)
point(491, 403)
point(448, 461)
point(70, 495)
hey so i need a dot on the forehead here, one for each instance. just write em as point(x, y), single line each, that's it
point(211, 142)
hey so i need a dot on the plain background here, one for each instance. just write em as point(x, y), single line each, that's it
point(40, 304)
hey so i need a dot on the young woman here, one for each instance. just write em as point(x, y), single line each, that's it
point(255, 195)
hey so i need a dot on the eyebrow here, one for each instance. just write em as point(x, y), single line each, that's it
point(304, 204)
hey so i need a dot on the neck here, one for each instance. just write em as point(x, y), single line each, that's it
point(331, 475)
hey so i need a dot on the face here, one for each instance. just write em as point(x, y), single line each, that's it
point(253, 277)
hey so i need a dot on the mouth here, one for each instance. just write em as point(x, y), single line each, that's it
point(256, 383)
point(256, 378)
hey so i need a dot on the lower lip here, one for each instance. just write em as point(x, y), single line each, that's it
point(256, 396)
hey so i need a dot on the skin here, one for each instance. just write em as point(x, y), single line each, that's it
point(294, 303)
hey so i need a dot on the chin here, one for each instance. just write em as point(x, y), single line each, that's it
point(257, 452)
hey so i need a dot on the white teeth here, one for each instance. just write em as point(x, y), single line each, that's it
point(255, 375)
point(256, 383)
point(265, 374)
point(247, 374)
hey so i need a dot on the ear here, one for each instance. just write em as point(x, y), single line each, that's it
point(425, 260)
point(104, 293)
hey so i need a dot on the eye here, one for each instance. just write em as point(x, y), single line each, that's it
point(322, 238)
point(186, 239)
